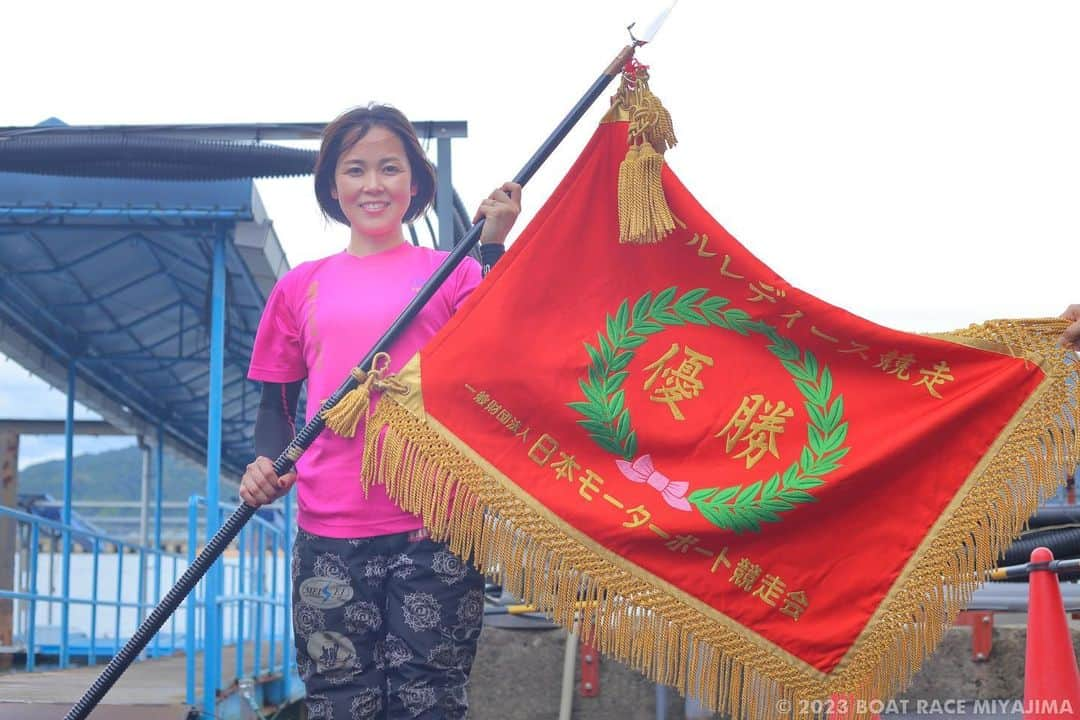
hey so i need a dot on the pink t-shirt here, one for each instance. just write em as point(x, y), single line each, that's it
point(320, 320)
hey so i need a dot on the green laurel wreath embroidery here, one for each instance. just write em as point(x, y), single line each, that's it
point(737, 508)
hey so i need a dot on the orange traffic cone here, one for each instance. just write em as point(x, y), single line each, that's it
point(1051, 678)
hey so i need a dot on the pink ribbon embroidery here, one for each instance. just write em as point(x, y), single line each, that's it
point(642, 471)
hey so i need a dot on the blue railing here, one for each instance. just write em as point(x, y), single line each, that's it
point(251, 596)
point(95, 605)
point(253, 602)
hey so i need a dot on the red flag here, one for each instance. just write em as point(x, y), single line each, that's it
point(742, 490)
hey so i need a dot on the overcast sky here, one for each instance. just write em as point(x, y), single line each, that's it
point(917, 163)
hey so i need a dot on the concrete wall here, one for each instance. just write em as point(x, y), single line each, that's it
point(517, 676)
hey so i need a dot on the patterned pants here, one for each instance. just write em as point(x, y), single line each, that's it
point(386, 627)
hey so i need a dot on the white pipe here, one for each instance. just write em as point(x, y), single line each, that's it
point(144, 499)
point(144, 527)
point(566, 698)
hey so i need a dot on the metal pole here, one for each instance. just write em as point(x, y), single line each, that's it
point(241, 586)
point(309, 432)
point(566, 689)
point(159, 472)
point(31, 642)
point(52, 577)
point(1011, 572)
point(144, 520)
point(24, 573)
point(144, 492)
point(69, 466)
point(190, 639)
point(9, 541)
point(211, 654)
point(92, 657)
point(444, 204)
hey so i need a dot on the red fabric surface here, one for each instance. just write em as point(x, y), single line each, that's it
point(513, 359)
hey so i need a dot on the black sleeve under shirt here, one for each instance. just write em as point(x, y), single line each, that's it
point(275, 424)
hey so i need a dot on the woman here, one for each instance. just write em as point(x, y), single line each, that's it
point(385, 620)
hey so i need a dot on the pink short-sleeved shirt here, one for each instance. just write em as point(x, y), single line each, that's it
point(320, 320)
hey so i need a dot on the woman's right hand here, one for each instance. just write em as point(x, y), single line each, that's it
point(261, 485)
point(1071, 336)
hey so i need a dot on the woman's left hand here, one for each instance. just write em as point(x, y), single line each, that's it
point(499, 210)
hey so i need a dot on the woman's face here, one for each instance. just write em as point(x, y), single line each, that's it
point(373, 184)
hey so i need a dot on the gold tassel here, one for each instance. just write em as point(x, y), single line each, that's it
point(628, 183)
point(644, 215)
point(344, 416)
point(658, 219)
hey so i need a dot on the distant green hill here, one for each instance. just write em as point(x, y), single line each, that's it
point(116, 475)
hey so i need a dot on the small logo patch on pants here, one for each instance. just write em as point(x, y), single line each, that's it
point(325, 592)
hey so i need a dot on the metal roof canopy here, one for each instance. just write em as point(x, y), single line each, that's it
point(106, 287)
point(143, 297)
point(425, 130)
point(199, 152)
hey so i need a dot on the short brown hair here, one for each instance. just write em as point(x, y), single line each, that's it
point(345, 131)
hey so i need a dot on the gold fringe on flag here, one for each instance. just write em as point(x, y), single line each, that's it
point(644, 215)
point(674, 639)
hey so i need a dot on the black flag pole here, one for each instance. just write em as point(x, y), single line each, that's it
point(285, 461)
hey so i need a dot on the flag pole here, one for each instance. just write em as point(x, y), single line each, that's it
point(288, 457)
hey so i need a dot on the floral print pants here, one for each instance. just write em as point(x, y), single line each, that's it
point(385, 627)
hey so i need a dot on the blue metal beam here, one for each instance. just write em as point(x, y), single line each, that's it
point(257, 132)
point(208, 214)
point(147, 407)
point(27, 312)
point(179, 334)
point(86, 293)
point(82, 226)
point(156, 250)
point(198, 400)
point(164, 361)
point(182, 258)
point(115, 291)
point(70, 263)
point(212, 658)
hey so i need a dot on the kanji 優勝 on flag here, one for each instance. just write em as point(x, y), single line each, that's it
point(733, 485)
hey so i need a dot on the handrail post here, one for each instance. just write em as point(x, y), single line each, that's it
point(287, 655)
point(159, 473)
point(92, 658)
point(240, 604)
point(259, 540)
point(31, 645)
point(119, 595)
point(275, 547)
point(192, 600)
